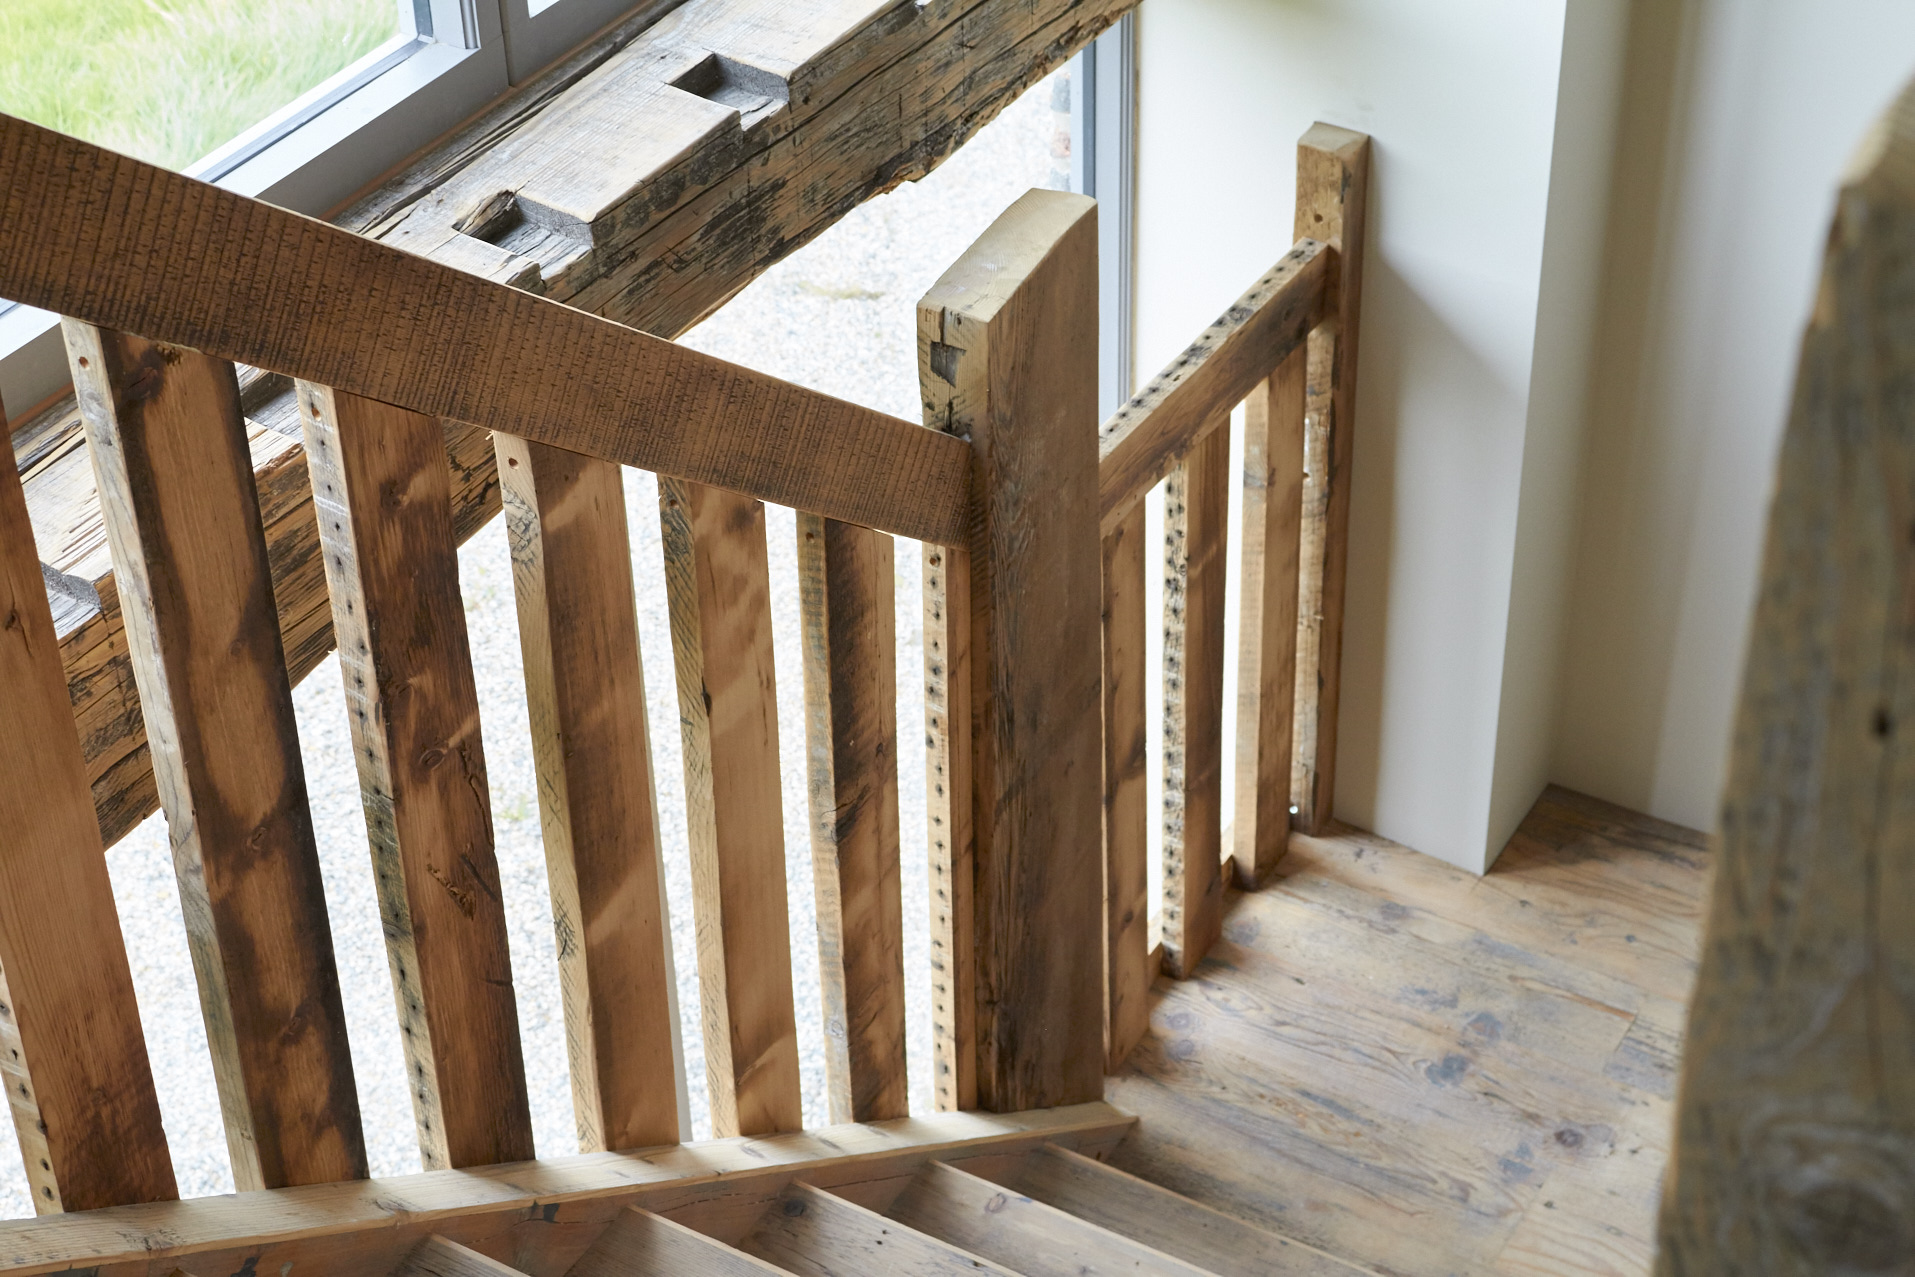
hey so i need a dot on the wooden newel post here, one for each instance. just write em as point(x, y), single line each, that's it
point(1007, 358)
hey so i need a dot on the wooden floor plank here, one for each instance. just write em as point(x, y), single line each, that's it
point(169, 446)
point(1142, 1211)
point(846, 582)
point(718, 588)
point(598, 808)
point(1196, 537)
point(1404, 1066)
point(813, 1233)
point(641, 1244)
point(75, 1063)
point(1019, 1232)
point(382, 489)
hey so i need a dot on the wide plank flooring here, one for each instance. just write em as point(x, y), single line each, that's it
point(1427, 1072)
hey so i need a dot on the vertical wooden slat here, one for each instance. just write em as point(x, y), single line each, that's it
point(1333, 174)
point(1126, 792)
point(1267, 659)
point(846, 591)
point(1007, 356)
point(1196, 523)
point(718, 588)
point(169, 449)
point(953, 849)
point(585, 691)
point(381, 491)
point(1795, 1122)
point(71, 1053)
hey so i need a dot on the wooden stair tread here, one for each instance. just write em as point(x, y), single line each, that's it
point(812, 1233)
point(641, 1244)
point(1166, 1221)
point(441, 1257)
point(1011, 1229)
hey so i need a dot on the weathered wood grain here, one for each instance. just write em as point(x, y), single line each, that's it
point(1795, 1134)
point(382, 492)
point(1128, 971)
point(124, 244)
point(1196, 530)
point(886, 105)
point(951, 831)
point(1028, 1236)
point(585, 693)
point(1148, 437)
point(641, 1244)
point(74, 1061)
point(813, 1233)
point(1006, 336)
point(539, 1217)
point(169, 447)
point(1267, 651)
point(718, 590)
point(846, 586)
point(1333, 182)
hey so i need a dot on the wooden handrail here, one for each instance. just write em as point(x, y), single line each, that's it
point(129, 246)
point(1146, 438)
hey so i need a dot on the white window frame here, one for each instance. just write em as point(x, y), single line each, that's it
point(312, 155)
point(1104, 166)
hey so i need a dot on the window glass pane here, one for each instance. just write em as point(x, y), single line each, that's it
point(172, 80)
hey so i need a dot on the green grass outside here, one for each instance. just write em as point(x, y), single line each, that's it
point(172, 80)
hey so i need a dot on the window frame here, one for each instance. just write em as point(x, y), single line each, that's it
point(1103, 81)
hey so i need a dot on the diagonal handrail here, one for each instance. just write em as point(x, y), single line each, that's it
point(124, 244)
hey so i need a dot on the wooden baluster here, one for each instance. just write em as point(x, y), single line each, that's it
point(1795, 1122)
point(585, 688)
point(1007, 355)
point(952, 836)
point(71, 1053)
point(1196, 524)
point(846, 591)
point(381, 490)
point(1333, 175)
point(175, 476)
point(1126, 792)
point(1267, 653)
point(718, 587)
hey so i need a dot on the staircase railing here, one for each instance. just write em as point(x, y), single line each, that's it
point(1040, 951)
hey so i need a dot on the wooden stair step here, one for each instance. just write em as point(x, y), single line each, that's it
point(1164, 1220)
point(812, 1233)
point(641, 1244)
point(1006, 1227)
point(438, 1256)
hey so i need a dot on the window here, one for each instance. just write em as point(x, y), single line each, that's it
point(300, 102)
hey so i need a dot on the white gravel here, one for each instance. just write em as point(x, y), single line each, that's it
point(838, 316)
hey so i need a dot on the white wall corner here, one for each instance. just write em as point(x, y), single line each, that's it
point(1588, 104)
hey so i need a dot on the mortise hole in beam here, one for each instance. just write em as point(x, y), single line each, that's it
point(753, 91)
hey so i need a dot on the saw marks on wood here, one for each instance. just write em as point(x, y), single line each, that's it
point(1425, 1072)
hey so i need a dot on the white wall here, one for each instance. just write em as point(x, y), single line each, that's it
point(1742, 113)
point(1463, 291)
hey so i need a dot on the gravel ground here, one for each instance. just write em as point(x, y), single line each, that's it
point(838, 316)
